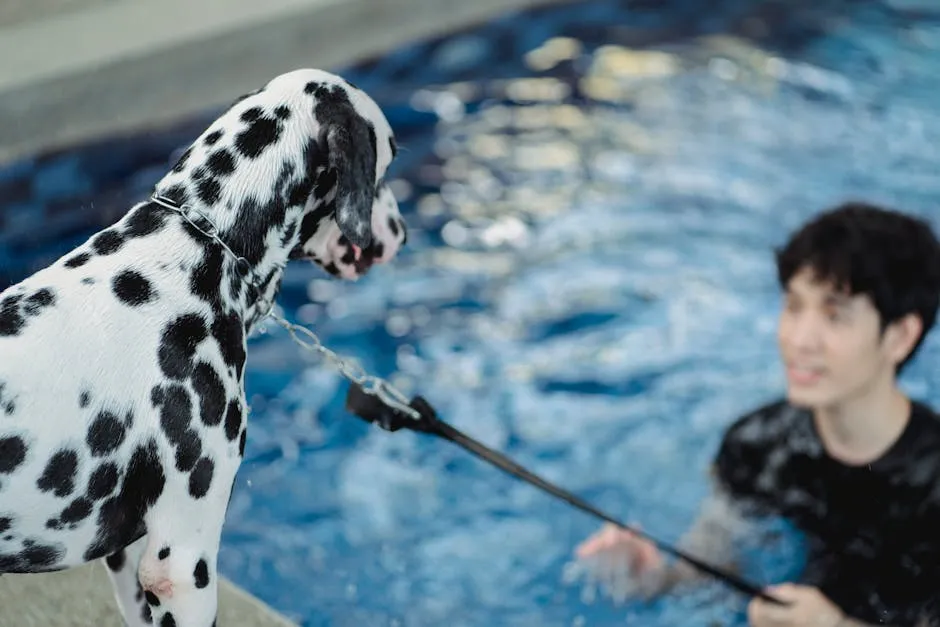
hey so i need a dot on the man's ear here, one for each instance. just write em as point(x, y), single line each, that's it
point(350, 144)
point(901, 336)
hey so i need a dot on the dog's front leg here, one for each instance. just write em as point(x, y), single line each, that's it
point(122, 569)
point(178, 567)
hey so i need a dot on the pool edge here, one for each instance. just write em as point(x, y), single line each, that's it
point(83, 596)
point(78, 86)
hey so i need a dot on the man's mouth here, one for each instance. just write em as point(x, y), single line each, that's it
point(803, 374)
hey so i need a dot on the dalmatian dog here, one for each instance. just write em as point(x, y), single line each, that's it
point(122, 400)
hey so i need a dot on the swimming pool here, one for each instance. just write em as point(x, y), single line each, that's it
point(588, 287)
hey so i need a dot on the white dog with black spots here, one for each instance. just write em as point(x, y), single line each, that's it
point(122, 400)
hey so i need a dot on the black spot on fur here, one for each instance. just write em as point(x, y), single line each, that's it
point(311, 87)
point(211, 393)
point(221, 162)
point(241, 442)
point(32, 558)
point(168, 620)
point(228, 332)
point(298, 193)
point(176, 193)
point(88, 281)
point(325, 184)
point(121, 516)
point(5, 524)
point(59, 474)
point(207, 276)
point(145, 614)
point(144, 221)
point(102, 481)
point(77, 261)
point(200, 479)
point(233, 419)
point(181, 162)
point(152, 599)
point(7, 402)
point(178, 343)
point(209, 190)
point(105, 434)
point(12, 453)
point(157, 395)
point(38, 556)
point(115, 561)
point(107, 242)
point(78, 510)
point(393, 226)
point(175, 413)
point(201, 574)
point(188, 450)
point(252, 114)
point(282, 112)
point(261, 133)
point(164, 553)
point(213, 137)
point(38, 301)
point(11, 322)
point(132, 288)
point(84, 399)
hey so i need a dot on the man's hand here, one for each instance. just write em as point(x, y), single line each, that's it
point(805, 607)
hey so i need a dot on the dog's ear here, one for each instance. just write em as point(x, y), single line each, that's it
point(349, 140)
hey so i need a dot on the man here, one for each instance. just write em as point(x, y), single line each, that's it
point(847, 457)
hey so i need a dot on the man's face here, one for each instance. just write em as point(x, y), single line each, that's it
point(831, 344)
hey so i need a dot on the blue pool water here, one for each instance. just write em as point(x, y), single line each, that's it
point(594, 191)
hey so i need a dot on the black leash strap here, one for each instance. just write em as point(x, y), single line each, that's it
point(371, 408)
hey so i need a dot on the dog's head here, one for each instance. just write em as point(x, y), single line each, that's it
point(352, 220)
point(307, 141)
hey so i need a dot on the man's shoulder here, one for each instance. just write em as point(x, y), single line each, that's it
point(765, 424)
point(752, 448)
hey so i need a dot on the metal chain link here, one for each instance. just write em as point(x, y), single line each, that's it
point(302, 336)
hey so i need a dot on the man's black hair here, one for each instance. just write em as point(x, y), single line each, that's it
point(859, 248)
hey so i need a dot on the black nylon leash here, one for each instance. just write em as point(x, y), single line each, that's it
point(371, 408)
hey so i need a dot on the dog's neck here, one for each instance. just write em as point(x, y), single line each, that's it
point(251, 241)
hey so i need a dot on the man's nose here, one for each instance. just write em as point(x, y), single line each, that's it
point(805, 331)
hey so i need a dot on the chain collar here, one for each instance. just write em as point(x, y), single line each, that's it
point(302, 336)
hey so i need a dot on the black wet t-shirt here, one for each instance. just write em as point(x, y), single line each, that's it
point(873, 531)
